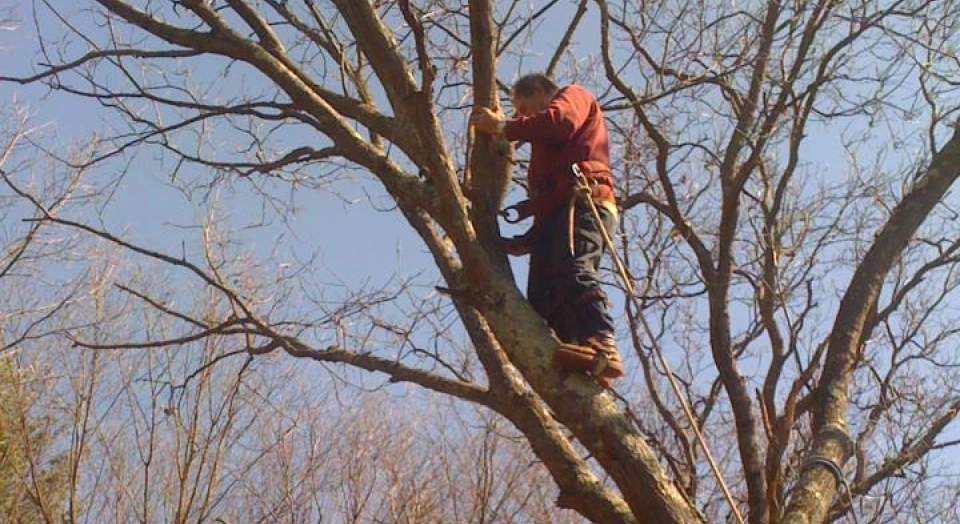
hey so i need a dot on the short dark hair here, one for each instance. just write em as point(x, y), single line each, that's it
point(527, 84)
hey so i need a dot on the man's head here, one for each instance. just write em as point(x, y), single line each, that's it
point(532, 93)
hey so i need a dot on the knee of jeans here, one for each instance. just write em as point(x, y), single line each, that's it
point(585, 274)
point(587, 248)
point(593, 294)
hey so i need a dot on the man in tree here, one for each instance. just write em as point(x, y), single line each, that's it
point(565, 127)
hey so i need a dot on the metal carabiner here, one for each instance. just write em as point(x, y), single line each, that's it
point(581, 182)
point(505, 213)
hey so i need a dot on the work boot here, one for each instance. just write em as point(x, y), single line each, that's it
point(574, 357)
point(597, 356)
point(607, 363)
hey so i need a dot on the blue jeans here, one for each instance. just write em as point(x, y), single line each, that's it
point(563, 286)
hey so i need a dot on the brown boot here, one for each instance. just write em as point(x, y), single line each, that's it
point(607, 363)
point(573, 357)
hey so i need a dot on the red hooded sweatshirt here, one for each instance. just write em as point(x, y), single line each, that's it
point(571, 129)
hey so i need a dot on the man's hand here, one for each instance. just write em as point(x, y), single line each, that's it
point(517, 246)
point(487, 121)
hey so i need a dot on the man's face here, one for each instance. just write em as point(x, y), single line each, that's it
point(528, 105)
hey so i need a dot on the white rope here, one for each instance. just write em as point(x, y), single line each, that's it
point(583, 187)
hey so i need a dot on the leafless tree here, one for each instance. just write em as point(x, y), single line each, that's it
point(33, 469)
point(785, 175)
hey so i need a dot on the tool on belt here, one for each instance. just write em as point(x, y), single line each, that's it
point(555, 192)
point(517, 216)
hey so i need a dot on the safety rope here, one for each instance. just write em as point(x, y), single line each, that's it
point(584, 191)
point(841, 479)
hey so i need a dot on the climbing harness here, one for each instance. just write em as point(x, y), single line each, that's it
point(583, 191)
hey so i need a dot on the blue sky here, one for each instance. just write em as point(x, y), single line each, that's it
point(356, 243)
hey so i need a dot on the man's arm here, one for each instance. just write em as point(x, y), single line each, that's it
point(566, 113)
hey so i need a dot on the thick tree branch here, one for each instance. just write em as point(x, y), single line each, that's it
point(489, 159)
point(814, 493)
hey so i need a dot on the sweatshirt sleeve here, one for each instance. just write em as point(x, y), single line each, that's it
point(567, 112)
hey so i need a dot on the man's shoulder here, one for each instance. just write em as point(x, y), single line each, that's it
point(575, 90)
